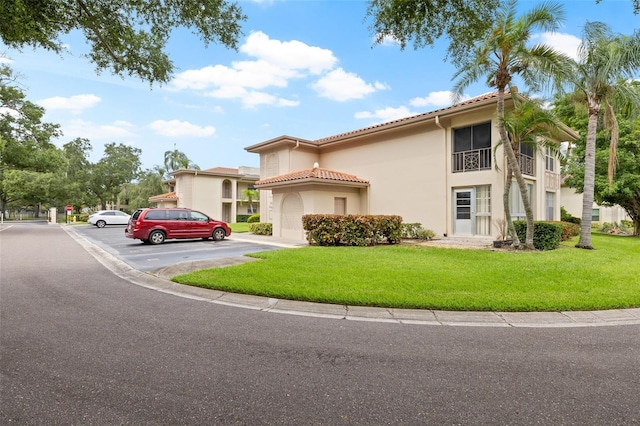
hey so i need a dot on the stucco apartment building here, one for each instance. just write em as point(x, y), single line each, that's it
point(218, 192)
point(437, 168)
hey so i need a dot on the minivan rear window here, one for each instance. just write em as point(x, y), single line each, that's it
point(156, 215)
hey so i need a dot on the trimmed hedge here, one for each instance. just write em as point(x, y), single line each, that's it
point(352, 230)
point(261, 228)
point(546, 235)
point(416, 231)
point(241, 218)
point(254, 218)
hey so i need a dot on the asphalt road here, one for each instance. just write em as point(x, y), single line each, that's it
point(147, 257)
point(79, 345)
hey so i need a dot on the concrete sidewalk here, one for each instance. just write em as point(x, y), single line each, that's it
point(159, 281)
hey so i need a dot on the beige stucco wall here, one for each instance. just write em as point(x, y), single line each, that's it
point(410, 172)
point(401, 173)
point(204, 192)
point(316, 199)
point(572, 202)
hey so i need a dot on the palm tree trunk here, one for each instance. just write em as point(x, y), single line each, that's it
point(507, 210)
point(589, 179)
point(512, 163)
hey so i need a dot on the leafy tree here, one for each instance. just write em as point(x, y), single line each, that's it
point(25, 141)
point(425, 21)
point(77, 174)
point(119, 165)
point(624, 190)
point(28, 188)
point(176, 160)
point(598, 78)
point(149, 184)
point(127, 37)
point(500, 56)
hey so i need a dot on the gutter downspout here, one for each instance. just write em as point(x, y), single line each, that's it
point(446, 178)
point(290, 154)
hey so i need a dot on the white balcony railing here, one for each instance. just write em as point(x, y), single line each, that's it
point(468, 161)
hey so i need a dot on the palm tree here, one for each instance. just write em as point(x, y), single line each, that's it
point(251, 194)
point(501, 56)
point(531, 125)
point(604, 60)
point(176, 160)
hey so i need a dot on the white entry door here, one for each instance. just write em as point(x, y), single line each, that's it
point(463, 211)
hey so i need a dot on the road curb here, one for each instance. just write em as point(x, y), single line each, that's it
point(159, 281)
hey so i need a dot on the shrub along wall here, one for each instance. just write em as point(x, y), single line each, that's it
point(261, 228)
point(351, 230)
point(546, 235)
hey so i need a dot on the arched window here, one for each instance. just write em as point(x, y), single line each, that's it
point(292, 210)
point(226, 189)
point(273, 165)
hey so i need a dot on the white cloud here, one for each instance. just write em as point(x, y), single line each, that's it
point(276, 64)
point(386, 114)
point(291, 55)
point(4, 60)
point(177, 128)
point(75, 104)
point(86, 129)
point(339, 85)
point(437, 99)
point(565, 43)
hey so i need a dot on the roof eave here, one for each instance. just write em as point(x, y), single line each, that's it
point(280, 140)
point(314, 181)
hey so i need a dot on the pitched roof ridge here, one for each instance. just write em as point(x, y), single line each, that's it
point(478, 98)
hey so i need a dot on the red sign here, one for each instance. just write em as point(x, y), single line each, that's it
point(69, 208)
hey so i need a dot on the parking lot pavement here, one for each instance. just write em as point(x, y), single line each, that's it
point(150, 258)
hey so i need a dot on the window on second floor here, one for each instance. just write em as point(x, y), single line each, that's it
point(550, 160)
point(472, 148)
point(526, 159)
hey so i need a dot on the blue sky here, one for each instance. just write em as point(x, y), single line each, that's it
point(307, 69)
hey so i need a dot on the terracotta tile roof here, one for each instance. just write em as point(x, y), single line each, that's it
point(316, 174)
point(484, 97)
point(165, 196)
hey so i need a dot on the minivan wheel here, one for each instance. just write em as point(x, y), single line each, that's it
point(156, 237)
point(219, 234)
point(101, 223)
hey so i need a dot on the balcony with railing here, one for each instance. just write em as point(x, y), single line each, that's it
point(527, 164)
point(468, 161)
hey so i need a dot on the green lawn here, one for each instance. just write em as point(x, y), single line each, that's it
point(411, 276)
point(239, 227)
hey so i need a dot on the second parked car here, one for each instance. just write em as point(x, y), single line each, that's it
point(154, 226)
point(108, 217)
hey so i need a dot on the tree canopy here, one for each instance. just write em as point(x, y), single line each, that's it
point(625, 188)
point(425, 21)
point(127, 37)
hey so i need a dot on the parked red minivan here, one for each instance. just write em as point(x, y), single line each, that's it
point(154, 226)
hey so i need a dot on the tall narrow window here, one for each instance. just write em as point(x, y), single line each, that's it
point(472, 148)
point(515, 201)
point(483, 210)
point(550, 160)
point(550, 204)
point(273, 165)
point(340, 205)
point(526, 159)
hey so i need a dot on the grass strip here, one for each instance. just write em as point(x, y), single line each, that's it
point(413, 276)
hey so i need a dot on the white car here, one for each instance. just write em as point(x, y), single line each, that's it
point(108, 217)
